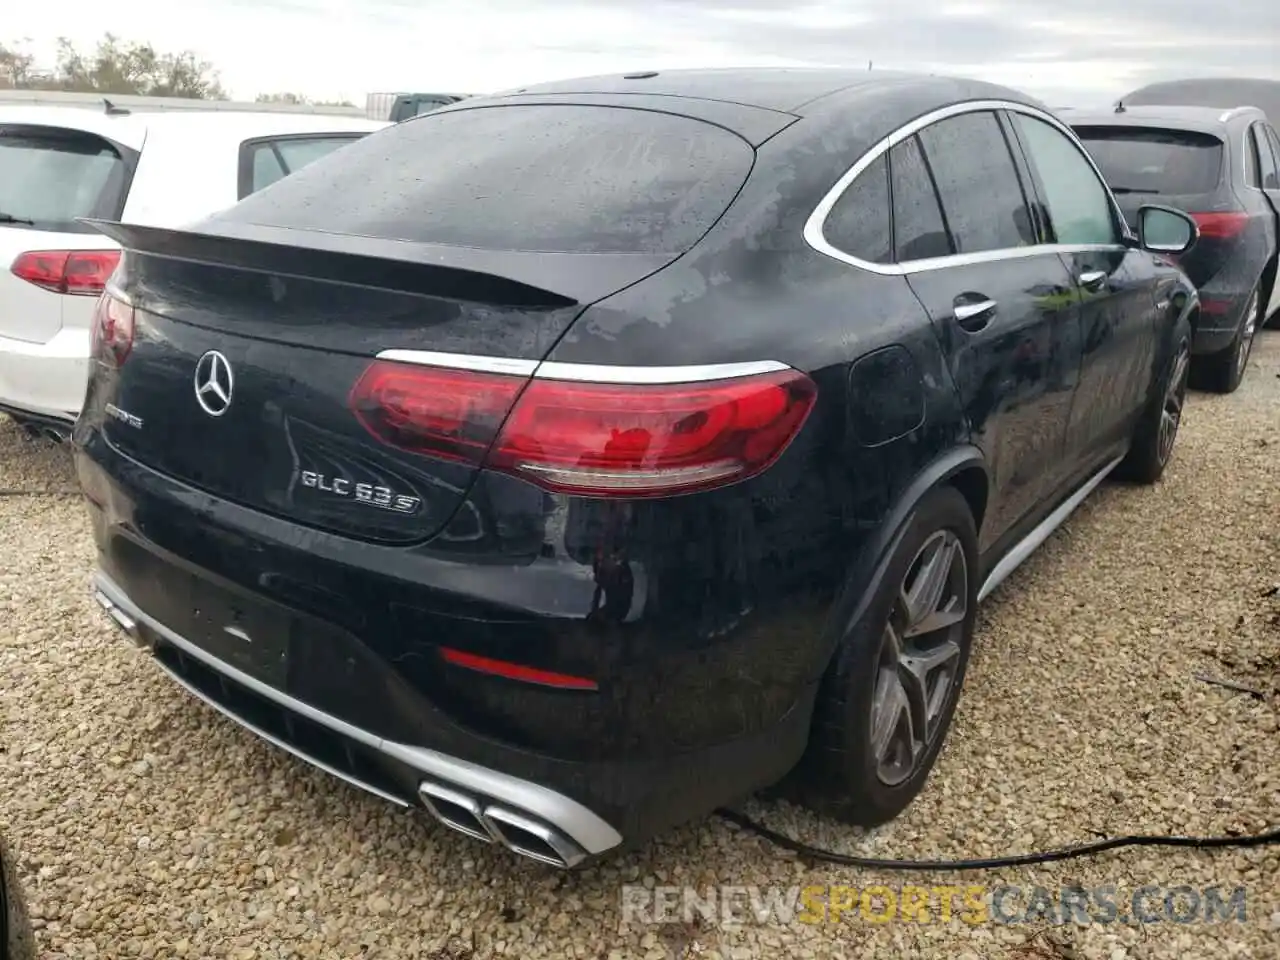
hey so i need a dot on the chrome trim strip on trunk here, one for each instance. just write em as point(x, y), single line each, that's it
point(462, 361)
point(576, 821)
point(1028, 544)
point(694, 373)
point(585, 372)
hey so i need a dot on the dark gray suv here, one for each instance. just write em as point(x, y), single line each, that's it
point(1222, 166)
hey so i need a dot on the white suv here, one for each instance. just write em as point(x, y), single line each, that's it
point(58, 164)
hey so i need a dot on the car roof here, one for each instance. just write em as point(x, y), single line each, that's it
point(783, 89)
point(1220, 92)
point(131, 129)
point(1214, 120)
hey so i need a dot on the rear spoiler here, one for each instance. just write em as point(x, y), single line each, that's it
point(509, 278)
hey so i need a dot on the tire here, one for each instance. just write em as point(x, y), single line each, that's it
point(1157, 431)
point(841, 774)
point(1223, 371)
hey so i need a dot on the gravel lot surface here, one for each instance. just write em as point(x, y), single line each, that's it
point(149, 826)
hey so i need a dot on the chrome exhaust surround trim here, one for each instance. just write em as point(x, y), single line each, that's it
point(526, 817)
point(455, 810)
point(122, 619)
point(533, 839)
point(521, 834)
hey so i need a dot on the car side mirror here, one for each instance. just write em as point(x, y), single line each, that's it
point(1166, 230)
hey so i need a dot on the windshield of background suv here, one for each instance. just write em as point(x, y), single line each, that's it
point(531, 177)
point(1148, 160)
point(50, 176)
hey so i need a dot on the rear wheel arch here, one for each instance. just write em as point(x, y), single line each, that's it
point(962, 468)
point(973, 484)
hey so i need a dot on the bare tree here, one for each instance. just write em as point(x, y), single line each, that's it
point(16, 67)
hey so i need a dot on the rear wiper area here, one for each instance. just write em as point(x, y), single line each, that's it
point(1133, 190)
point(10, 218)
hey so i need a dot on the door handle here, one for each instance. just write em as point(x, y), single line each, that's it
point(1092, 278)
point(974, 315)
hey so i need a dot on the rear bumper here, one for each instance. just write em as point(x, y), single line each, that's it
point(526, 814)
point(46, 380)
point(687, 721)
point(568, 831)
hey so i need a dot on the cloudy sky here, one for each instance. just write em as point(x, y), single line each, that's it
point(1082, 52)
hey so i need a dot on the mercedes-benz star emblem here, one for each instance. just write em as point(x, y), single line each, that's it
point(214, 383)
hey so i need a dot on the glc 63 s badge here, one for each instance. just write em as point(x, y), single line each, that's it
point(369, 493)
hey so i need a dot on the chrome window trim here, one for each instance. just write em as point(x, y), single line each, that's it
point(813, 228)
point(586, 372)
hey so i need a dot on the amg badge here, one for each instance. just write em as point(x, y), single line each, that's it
point(372, 494)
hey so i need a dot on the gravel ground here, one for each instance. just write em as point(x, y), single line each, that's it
point(149, 826)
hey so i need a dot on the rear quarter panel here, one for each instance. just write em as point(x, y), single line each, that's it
point(754, 290)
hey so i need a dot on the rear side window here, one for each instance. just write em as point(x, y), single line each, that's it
point(1146, 160)
point(919, 232)
point(1266, 159)
point(552, 178)
point(263, 162)
point(1079, 208)
point(978, 183)
point(50, 176)
point(1274, 140)
point(859, 222)
point(1252, 166)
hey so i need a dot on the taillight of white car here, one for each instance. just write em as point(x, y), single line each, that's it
point(81, 273)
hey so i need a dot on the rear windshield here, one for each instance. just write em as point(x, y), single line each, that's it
point(1144, 160)
point(571, 179)
point(50, 176)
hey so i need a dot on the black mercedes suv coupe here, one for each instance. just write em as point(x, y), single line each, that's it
point(572, 461)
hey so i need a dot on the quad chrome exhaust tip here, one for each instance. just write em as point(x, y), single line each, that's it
point(521, 833)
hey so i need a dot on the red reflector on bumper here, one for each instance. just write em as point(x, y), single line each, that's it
point(516, 671)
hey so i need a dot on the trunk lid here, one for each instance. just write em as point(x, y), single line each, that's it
point(480, 231)
point(294, 329)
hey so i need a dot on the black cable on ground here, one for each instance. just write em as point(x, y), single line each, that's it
point(992, 863)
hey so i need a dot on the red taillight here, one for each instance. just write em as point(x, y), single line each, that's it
point(589, 439)
point(81, 273)
point(516, 671)
point(112, 336)
point(454, 414)
point(1221, 226)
